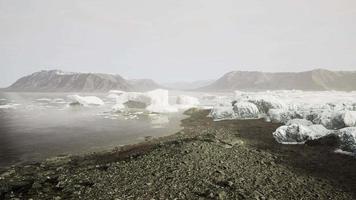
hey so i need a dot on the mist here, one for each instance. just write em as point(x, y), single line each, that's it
point(175, 40)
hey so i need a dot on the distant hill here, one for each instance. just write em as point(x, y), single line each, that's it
point(315, 80)
point(59, 81)
point(143, 84)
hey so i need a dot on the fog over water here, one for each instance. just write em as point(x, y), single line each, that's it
point(34, 126)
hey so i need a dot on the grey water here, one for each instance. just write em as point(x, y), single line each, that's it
point(35, 126)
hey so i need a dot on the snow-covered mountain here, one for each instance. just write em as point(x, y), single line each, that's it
point(59, 81)
point(319, 79)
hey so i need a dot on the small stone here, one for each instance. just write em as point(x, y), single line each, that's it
point(222, 195)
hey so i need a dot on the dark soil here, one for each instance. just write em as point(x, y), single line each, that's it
point(236, 159)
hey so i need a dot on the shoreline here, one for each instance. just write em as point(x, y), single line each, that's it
point(236, 159)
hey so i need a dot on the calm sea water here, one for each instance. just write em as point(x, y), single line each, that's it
point(35, 126)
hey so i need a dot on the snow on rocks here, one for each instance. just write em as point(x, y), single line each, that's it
point(299, 134)
point(86, 100)
point(347, 138)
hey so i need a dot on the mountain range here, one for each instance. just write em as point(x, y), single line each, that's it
point(59, 81)
point(314, 80)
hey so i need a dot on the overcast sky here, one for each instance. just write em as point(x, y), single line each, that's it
point(171, 40)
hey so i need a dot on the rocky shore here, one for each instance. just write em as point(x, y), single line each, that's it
point(234, 159)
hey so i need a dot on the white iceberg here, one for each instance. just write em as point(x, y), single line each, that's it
point(152, 101)
point(349, 118)
point(299, 134)
point(86, 100)
point(185, 102)
point(9, 106)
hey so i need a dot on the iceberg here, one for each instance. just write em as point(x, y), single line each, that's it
point(185, 102)
point(86, 100)
point(347, 138)
point(299, 134)
point(282, 115)
point(246, 110)
point(303, 122)
point(349, 118)
point(222, 112)
point(8, 106)
point(152, 101)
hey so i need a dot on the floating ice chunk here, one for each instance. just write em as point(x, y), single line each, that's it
point(347, 139)
point(349, 118)
point(44, 99)
point(86, 100)
point(119, 92)
point(186, 102)
point(222, 113)
point(159, 101)
point(153, 101)
point(246, 110)
point(303, 122)
point(112, 96)
point(299, 134)
point(8, 106)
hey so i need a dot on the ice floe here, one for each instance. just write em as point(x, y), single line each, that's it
point(86, 100)
point(9, 106)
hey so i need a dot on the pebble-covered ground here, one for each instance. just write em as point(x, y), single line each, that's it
point(206, 160)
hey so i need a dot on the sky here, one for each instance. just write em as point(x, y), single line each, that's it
point(175, 40)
